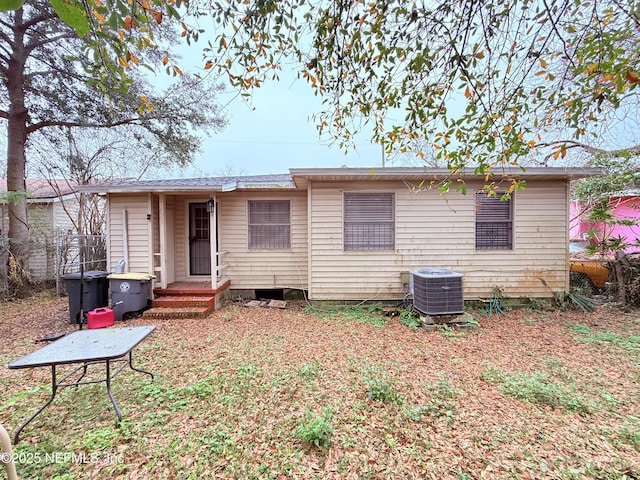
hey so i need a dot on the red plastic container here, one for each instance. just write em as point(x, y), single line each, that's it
point(100, 318)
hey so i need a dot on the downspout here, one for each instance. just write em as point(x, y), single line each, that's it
point(309, 241)
point(125, 240)
point(213, 237)
point(150, 216)
point(163, 240)
point(567, 236)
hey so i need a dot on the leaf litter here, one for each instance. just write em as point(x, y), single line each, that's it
point(231, 391)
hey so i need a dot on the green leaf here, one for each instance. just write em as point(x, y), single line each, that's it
point(73, 14)
point(6, 5)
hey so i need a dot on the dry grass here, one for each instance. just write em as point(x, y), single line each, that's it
point(265, 393)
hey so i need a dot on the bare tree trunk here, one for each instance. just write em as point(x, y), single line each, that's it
point(620, 263)
point(16, 142)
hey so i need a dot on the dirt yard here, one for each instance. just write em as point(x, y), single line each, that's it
point(303, 393)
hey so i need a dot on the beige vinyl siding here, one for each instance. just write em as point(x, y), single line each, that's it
point(181, 236)
point(42, 252)
point(262, 268)
point(138, 241)
point(169, 247)
point(62, 210)
point(248, 268)
point(432, 232)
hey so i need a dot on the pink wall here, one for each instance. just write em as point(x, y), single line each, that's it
point(623, 208)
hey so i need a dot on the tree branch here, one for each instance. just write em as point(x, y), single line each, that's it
point(32, 46)
point(554, 27)
point(52, 123)
point(595, 151)
point(36, 20)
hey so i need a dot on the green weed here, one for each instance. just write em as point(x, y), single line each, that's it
point(371, 314)
point(442, 404)
point(631, 436)
point(201, 389)
point(316, 430)
point(447, 332)
point(538, 388)
point(381, 388)
point(247, 372)
point(586, 335)
point(409, 319)
point(538, 304)
point(219, 441)
point(629, 433)
point(21, 395)
point(309, 371)
point(99, 439)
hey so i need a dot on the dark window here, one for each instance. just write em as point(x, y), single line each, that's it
point(368, 221)
point(269, 224)
point(494, 223)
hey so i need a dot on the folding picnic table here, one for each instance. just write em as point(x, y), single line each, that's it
point(85, 347)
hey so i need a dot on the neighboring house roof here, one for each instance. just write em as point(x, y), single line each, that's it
point(298, 178)
point(632, 192)
point(221, 184)
point(45, 190)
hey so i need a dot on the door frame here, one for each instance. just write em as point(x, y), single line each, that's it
point(191, 212)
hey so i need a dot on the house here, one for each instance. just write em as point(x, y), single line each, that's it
point(51, 208)
point(342, 234)
point(624, 207)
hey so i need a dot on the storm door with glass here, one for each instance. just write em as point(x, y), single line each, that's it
point(199, 240)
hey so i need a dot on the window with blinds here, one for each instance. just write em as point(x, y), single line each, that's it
point(368, 221)
point(494, 222)
point(270, 224)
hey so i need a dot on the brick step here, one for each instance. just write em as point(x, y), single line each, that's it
point(174, 312)
point(189, 289)
point(184, 301)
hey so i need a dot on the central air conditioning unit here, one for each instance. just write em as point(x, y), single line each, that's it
point(437, 291)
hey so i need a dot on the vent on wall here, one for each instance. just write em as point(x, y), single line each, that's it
point(437, 291)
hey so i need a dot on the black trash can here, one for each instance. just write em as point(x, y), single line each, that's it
point(95, 292)
point(130, 293)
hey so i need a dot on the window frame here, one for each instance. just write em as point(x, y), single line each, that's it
point(354, 241)
point(498, 224)
point(270, 241)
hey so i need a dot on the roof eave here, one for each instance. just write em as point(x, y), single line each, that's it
point(163, 188)
point(302, 175)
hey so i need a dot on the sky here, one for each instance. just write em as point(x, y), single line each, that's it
point(275, 133)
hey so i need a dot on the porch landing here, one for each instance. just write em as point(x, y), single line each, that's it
point(186, 300)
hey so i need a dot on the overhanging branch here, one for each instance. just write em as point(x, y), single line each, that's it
point(595, 151)
point(53, 123)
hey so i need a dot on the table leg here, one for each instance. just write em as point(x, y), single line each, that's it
point(137, 369)
point(113, 400)
point(84, 372)
point(54, 387)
